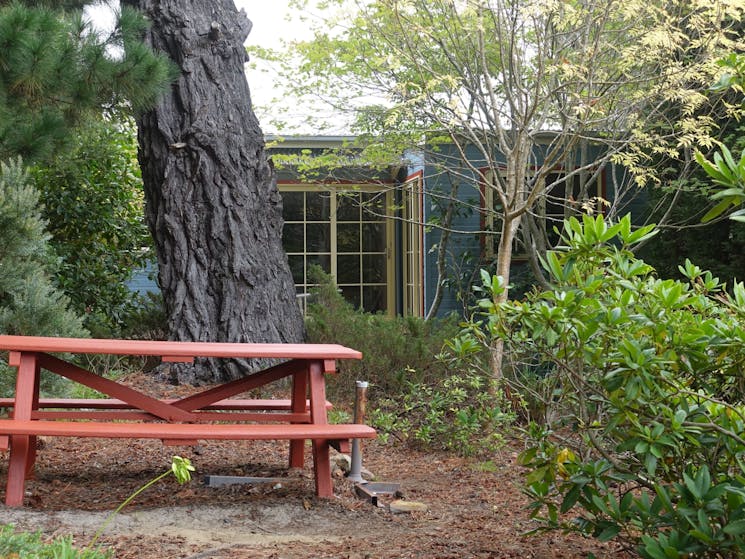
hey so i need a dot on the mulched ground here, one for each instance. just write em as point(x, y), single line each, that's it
point(471, 513)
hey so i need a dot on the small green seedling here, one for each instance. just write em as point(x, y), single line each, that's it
point(181, 468)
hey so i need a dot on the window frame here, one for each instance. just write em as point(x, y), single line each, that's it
point(334, 192)
point(412, 245)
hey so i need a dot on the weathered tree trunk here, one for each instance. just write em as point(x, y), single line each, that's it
point(212, 202)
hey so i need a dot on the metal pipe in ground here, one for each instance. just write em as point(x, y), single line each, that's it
point(360, 405)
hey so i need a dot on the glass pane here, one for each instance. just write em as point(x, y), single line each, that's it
point(292, 206)
point(348, 268)
point(348, 206)
point(348, 237)
point(317, 206)
point(352, 294)
point(373, 237)
point(374, 298)
point(373, 206)
point(373, 268)
point(293, 239)
point(297, 269)
point(556, 198)
point(318, 237)
point(322, 260)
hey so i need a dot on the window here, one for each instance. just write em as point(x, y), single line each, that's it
point(347, 233)
point(565, 198)
point(412, 239)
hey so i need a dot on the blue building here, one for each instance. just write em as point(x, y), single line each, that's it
point(381, 232)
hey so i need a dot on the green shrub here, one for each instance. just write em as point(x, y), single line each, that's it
point(642, 440)
point(93, 200)
point(459, 413)
point(30, 303)
point(23, 545)
point(396, 351)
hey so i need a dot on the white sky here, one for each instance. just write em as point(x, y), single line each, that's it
point(270, 26)
point(268, 17)
point(273, 21)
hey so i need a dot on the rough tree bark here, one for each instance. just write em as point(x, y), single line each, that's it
point(212, 202)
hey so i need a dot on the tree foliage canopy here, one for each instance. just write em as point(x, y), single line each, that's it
point(490, 75)
point(58, 75)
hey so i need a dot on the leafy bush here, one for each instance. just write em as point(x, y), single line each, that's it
point(459, 413)
point(643, 440)
point(93, 199)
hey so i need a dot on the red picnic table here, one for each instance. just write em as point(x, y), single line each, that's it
point(212, 414)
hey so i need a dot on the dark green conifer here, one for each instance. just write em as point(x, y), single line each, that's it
point(55, 71)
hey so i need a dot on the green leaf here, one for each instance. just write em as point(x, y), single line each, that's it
point(525, 458)
point(650, 464)
point(717, 210)
point(600, 504)
point(728, 192)
point(735, 528)
point(712, 170)
point(609, 532)
point(182, 468)
point(570, 498)
point(728, 159)
point(664, 497)
point(641, 234)
point(485, 277)
point(537, 475)
point(553, 266)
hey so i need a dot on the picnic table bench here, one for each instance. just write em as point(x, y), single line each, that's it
point(211, 414)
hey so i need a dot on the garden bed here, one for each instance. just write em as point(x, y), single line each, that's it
point(475, 508)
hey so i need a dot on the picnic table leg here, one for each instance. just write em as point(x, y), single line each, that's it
point(321, 457)
point(22, 447)
point(32, 446)
point(18, 466)
point(299, 394)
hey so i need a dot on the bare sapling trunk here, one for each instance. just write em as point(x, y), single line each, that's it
point(504, 259)
point(516, 197)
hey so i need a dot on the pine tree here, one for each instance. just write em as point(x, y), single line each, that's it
point(55, 71)
point(29, 301)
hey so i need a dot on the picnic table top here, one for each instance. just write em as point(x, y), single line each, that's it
point(176, 349)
